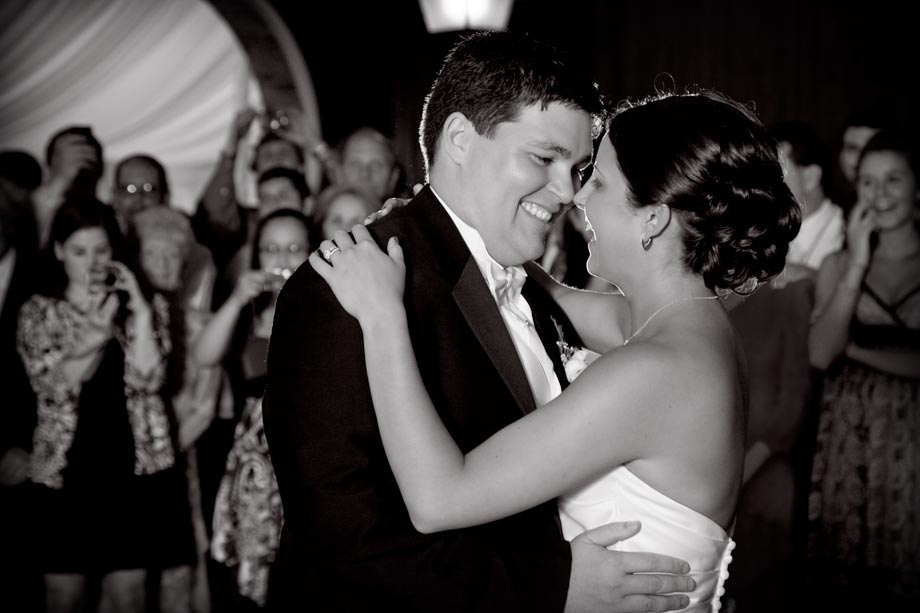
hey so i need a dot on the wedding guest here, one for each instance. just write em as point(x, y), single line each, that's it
point(247, 516)
point(74, 162)
point(20, 580)
point(94, 348)
point(864, 541)
point(222, 221)
point(140, 183)
point(805, 170)
point(772, 325)
point(283, 188)
point(20, 176)
point(180, 269)
point(340, 208)
point(860, 126)
point(367, 161)
point(279, 188)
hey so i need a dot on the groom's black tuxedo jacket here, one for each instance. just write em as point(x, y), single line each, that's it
point(347, 542)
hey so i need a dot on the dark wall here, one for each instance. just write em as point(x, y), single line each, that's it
point(372, 62)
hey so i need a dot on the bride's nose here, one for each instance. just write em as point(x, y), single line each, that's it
point(581, 197)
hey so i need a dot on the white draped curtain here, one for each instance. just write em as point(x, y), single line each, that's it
point(164, 78)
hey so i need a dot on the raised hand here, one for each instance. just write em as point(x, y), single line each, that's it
point(127, 282)
point(94, 323)
point(75, 154)
point(294, 127)
point(250, 284)
point(367, 282)
point(617, 581)
point(862, 222)
point(241, 123)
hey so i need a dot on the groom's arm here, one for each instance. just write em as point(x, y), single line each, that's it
point(341, 498)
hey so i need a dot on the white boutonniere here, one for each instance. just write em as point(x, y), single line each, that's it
point(574, 359)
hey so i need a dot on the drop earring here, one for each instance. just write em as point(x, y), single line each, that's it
point(646, 242)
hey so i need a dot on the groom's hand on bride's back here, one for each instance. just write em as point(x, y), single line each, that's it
point(390, 204)
point(604, 580)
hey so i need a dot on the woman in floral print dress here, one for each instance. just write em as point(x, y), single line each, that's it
point(93, 347)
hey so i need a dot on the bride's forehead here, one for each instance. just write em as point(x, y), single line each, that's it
point(606, 155)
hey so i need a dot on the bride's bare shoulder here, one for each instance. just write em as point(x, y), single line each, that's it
point(668, 369)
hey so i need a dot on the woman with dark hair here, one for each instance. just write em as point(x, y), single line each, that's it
point(864, 507)
point(686, 200)
point(94, 348)
point(247, 514)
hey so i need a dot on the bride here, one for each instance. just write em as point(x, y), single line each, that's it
point(686, 198)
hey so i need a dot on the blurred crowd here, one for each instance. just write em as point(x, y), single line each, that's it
point(134, 471)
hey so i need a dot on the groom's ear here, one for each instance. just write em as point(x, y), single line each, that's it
point(456, 137)
point(657, 218)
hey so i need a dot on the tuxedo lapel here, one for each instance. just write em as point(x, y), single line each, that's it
point(471, 294)
point(482, 315)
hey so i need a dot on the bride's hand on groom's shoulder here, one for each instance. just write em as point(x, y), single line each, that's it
point(391, 204)
point(367, 282)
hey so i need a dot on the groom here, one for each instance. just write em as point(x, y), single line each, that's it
point(505, 128)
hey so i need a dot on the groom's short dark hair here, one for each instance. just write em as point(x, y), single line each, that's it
point(491, 76)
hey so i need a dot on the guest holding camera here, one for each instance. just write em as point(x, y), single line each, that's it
point(93, 347)
point(247, 515)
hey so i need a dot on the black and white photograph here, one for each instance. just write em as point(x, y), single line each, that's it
point(460, 306)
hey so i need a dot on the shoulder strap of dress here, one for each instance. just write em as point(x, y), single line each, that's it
point(890, 310)
point(914, 290)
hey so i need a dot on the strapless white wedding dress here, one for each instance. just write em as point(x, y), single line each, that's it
point(668, 527)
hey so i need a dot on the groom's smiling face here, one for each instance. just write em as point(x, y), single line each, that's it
point(523, 178)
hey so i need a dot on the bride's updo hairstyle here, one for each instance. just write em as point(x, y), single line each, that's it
point(712, 162)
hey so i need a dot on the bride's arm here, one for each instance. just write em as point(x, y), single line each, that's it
point(567, 442)
point(599, 318)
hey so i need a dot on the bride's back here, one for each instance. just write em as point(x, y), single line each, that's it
point(696, 448)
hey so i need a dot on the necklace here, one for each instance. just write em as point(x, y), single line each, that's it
point(660, 309)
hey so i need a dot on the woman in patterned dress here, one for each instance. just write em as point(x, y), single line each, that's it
point(93, 347)
point(247, 515)
point(864, 507)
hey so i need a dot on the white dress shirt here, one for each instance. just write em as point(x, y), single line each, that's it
point(821, 234)
point(539, 368)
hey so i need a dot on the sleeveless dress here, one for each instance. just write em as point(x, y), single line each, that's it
point(864, 505)
point(668, 527)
